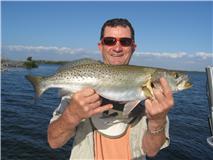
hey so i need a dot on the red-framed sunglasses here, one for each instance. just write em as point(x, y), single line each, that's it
point(111, 41)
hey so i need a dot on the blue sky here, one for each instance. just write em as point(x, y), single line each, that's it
point(176, 35)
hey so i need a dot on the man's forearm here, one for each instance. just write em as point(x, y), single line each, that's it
point(61, 130)
point(153, 139)
point(152, 143)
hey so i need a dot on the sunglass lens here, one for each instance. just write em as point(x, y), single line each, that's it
point(109, 41)
point(126, 41)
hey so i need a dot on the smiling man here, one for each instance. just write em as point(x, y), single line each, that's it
point(143, 136)
point(113, 52)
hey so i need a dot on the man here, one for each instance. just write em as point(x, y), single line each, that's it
point(71, 118)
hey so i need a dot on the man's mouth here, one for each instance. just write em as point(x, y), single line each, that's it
point(117, 55)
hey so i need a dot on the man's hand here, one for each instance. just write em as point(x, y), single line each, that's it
point(156, 112)
point(159, 106)
point(83, 104)
point(86, 103)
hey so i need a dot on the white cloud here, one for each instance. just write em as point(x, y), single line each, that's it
point(67, 50)
point(171, 60)
point(204, 55)
point(174, 55)
point(38, 49)
point(163, 54)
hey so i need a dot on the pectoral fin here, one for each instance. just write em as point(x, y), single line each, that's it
point(129, 106)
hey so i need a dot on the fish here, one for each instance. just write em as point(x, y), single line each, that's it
point(129, 84)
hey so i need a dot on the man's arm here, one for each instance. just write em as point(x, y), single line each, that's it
point(156, 112)
point(83, 104)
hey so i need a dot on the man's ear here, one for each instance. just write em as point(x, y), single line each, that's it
point(100, 47)
point(134, 47)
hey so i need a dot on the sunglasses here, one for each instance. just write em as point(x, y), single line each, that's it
point(111, 41)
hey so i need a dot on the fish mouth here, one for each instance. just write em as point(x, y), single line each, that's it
point(187, 85)
point(183, 82)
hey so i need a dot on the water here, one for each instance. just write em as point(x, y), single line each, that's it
point(24, 124)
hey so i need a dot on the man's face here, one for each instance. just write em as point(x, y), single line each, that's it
point(117, 54)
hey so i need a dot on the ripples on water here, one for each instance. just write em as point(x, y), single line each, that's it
point(24, 123)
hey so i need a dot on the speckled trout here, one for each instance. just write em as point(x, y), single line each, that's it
point(124, 83)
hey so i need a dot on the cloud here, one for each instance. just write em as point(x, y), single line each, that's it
point(175, 55)
point(38, 49)
point(204, 55)
point(163, 54)
point(67, 50)
point(171, 60)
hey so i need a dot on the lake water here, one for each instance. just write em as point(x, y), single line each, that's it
point(24, 123)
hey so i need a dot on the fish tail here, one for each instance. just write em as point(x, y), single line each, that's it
point(36, 82)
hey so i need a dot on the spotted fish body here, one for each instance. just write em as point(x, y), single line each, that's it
point(115, 82)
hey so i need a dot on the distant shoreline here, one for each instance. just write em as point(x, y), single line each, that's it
point(7, 63)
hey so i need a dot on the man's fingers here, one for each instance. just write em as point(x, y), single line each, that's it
point(87, 92)
point(93, 98)
point(159, 96)
point(151, 107)
point(102, 108)
point(95, 104)
point(166, 88)
point(148, 103)
point(167, 92)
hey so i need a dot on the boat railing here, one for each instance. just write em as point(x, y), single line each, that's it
point(209, 91)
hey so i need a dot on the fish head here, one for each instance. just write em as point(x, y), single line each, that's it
point(178, 81)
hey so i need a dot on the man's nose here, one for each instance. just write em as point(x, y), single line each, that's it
point(118, 47)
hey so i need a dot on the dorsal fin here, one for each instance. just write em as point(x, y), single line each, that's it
point(78, 62)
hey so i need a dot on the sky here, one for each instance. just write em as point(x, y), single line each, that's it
point(173, 35)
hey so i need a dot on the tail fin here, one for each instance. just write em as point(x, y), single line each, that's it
point(36, 82)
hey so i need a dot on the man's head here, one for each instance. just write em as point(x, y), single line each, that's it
point(117, 41)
